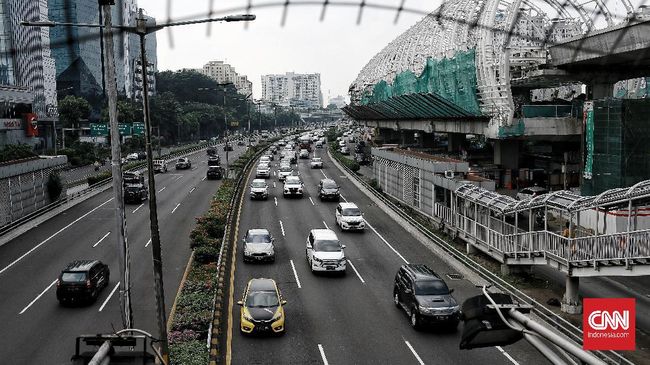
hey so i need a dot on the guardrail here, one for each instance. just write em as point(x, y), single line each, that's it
point(559, 323)
point(69, 198)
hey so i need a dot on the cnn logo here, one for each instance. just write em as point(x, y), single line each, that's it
point(609, 323)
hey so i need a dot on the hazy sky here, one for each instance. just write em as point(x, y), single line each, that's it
point(337, 48)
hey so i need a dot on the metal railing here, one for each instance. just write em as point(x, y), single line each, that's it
point(562, 325)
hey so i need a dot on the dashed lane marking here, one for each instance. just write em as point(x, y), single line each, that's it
point(414, 353)
point(164, 187)
point(176, 207)
point(109, 296)
point(322, 354)
point(356, 272)
point(282, 228)
point(136, 209)
point(101, 239)
point(326, 225)
point(386, 242)
point(295, 274)
point(507, 355)
point(38, 297)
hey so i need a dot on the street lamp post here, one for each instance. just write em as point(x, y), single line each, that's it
point(141, 29)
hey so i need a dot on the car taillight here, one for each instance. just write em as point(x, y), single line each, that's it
point(58, 283)
point(88, 284)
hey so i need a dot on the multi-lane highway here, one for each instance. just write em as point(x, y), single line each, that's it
point(35, 329)
point(347, 319)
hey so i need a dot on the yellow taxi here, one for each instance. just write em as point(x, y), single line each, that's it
point(262, 308)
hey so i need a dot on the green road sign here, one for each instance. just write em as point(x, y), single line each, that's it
point(234, 123)
point(125, 129)
point(98, 129)
point(138, 129)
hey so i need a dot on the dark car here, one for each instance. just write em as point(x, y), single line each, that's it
point(241, 142)
point(214, 172)
point(212, 151)
point(328, 189)
point(82, 281)
point(214, 161)
point(135, 193)
point(132, 177)
point(425, 297)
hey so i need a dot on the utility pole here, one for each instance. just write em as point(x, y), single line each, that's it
point(116, 168)
point(156, 251)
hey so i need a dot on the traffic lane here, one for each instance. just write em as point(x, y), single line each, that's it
point(324, 304)
point(108, 257)
point(409, 248)
point(377, 265)
point(248, 349)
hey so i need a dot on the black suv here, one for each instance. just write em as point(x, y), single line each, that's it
point(328, 189)
point(82, 281)
point(135, 193)
point(425, 297)
point(214, 172)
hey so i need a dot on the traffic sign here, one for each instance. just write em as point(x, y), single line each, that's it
point(234, 123)
point(138, 129)
point(98, 129)
point(125, 129)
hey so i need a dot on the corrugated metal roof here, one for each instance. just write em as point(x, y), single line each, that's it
point(411, 106)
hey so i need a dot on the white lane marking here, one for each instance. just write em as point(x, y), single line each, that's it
point(109, 296)
point(194, 168)
point(191, 190)
point(178, 178)
point(54, 235)
point(164, 187)
point(355, 271)
point(136, 209)
point(342, 197)
point(282, 228)
point(322, 354)
point(274, 184)
point(101, 239)
point(147, 244)
point(507, 355)
point(321, 171)
point(312, 202)
point(414, 353)
point(326, 225)
point(176, 207)
point(295, 274)
point(38, 297)
point(204, 177)
point(275, 199)
point(386, 242)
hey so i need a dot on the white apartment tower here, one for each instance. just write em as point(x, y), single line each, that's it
point(293, 90)
point(225, 73)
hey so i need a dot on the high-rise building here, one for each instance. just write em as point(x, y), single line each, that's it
point(339, 101)
point(225, 73)
point(33, 66)
point(293, 90)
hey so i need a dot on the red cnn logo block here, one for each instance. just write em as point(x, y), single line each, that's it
point(609, 324)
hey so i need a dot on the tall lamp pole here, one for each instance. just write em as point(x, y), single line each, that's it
point(141, 29)
point(225, 121)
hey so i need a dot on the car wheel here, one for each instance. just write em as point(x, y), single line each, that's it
point(415, 321)
point(396, 297)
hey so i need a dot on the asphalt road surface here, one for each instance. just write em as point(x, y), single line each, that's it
point(35, 329)
point(347, 319)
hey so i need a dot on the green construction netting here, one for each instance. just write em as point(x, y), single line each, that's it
point(452, 78)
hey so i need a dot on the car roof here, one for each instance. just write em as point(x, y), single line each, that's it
point(421, 271)
point(316, 158)
point(323, 234)
point(80, 265)
point(328, 181)
point(261, 284)
point(348, 205)
point(258, 231)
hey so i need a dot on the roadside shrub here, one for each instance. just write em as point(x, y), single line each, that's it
point(99, 177)
point(182, 336)
point(188, 353)
point(206, 254)
point(54, 186)
point(12, 152)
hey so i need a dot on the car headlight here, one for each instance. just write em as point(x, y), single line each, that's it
point(424, 309)
point(247, 316)
point(342, 261)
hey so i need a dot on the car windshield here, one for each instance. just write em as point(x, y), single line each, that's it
point(261, 299)
point(431, 287)
point(181, 160)
point(259, 184)
point(285, 169)
point(293, 180)
point(351, 212)
point(73, 277)
point(327, 246)
point(316, 159)
point(262, 166)
point(329, 185)
point(258, 238)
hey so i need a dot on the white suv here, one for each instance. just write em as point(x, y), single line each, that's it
point(292, 186)
point(259, 189)
point(349, 217)
point(325, 252)
point(263, 170)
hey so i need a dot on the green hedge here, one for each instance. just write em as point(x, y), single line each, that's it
point(349, 163)
point(12, 152)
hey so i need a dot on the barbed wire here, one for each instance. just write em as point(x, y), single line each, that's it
point(398, 7)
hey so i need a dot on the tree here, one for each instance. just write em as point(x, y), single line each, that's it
point(165, 111)
point(72, 110)
point(128, 111)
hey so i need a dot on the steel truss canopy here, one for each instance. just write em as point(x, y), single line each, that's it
point(409, 107)
point(562, 200)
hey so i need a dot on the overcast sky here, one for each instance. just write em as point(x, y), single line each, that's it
point(336, 48)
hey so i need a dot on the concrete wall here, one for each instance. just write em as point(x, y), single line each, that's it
point(23, 186)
